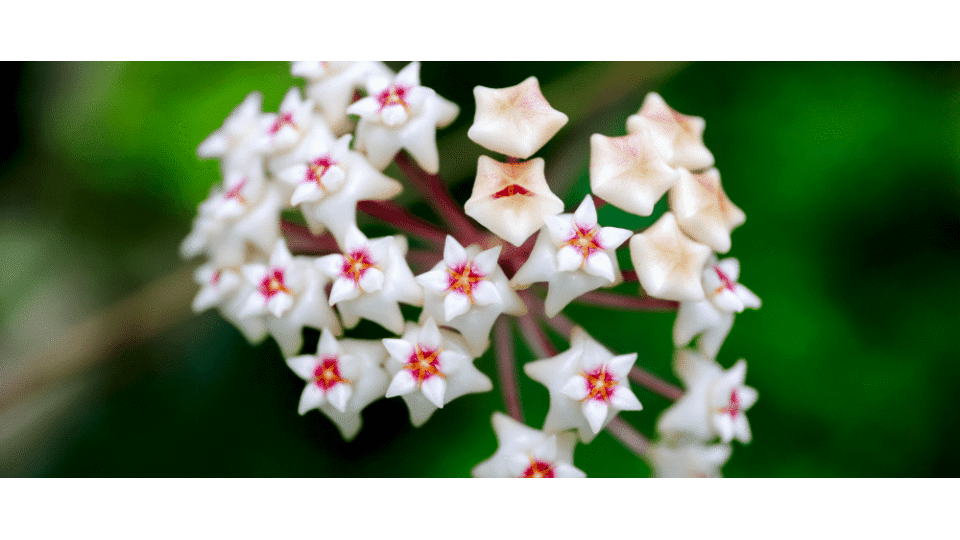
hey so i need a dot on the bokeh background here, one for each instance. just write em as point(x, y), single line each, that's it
point(848, 174)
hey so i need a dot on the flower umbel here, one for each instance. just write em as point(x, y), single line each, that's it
point(285, 250)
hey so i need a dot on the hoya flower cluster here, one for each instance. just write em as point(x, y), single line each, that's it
point(282, 251)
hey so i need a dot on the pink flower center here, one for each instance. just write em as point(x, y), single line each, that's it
point(725, 281)
point(236, 192)
point(327, 374)
point(600, 384)
point(317, 168)
point(215, 280)
point(424, 363)
point(733, 409)
point(511, 190)
point(273, 283)
point(285, 119)
point(393, 95)
point(462, 278)
point(586, 240)
point(356, 263)
point(538, 469)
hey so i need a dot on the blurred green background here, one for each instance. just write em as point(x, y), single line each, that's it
point(848, 174)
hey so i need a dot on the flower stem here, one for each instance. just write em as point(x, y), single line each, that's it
point(656, 384)
point(436, 194)
point(535, 338)
point(633, 303)
point(507, 367)
point(301, 241)
point(402, 219)
point(629, 436)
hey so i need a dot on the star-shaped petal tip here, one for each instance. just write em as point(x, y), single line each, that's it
point(515, 121)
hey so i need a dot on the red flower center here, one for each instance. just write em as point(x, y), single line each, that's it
point(511, 190)
point(327, 374)
point(273, 283)
point(733, 409)
point(356, 263)
point(317, 168)
point(393, 95)
point(424, 363)
point(462, 278)
point(538, 469)
point(600, 384)
point(285, 119)
point(585, 240)
point(725, 281)
point(236, 192)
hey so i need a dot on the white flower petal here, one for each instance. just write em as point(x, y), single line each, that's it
point(451, 361)
point(343, 289)
point(454, 304)
point(565, 470)
point(485, 293)
point(620, 365)
point(545, 451)
point(599, 264)
point(279, 303)
point(339, 395)
point(399, 349)
point(365, 107)
point(433, 389)
point(453, 252)
point(586, 214)
point(724, 426)
point(304, 366)
point(372, 280)
point(569, 259)
point(575, 387)
point(429, 335)
point(409, 75)
point(595, 411)
point(748, 396)
point(327, 344)
point(354, 239)
point(403, 383)
point(624, 399)
point(311, 398)
point(614, 237)
point(394, 115)
point(516, 464)
point(254, 306)
point(434, 280)
point(486, 261)
point(306, 192)
point(560, 227)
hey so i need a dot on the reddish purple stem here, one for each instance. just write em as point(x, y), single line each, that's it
point(401, 218)
point(436, 194)
point(656, 384)
point(633, 303)
point(507, 367)
point(301, 241)
point(629, 436)
point(535, 338)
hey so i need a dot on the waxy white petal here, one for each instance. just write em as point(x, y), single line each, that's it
point(595, 411)
point(599, 264)
point(433, 389)
point(429, 335)
point(485, 293)
point(399, 349)
point(624, 399)
point(343, 289)
point(311, 398)
point(339, 395)
point(403, 382)
point(455, 303)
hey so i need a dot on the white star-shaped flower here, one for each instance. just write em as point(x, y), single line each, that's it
point(689, 460)
point(574, 255)
point(342, 378)
point(243, 212)
point(226, 289)
point(332, 85)
point(588, 386)
point(289, 295)
point(370, 278)
point(628, 172)
point(512, 199)
point(524, 452)
point(237, 142)
point(703, 210)
point(678, 137)
point(401, 114)
point(714, 402)
point(467, 291)
point(668, 263)
point(289, 125)
point(430, 368)
point(330, 179)
point(713, 317)
point(516, 121)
